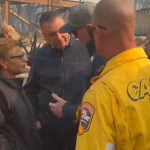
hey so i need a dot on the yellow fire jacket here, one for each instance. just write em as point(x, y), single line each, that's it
point(115, 113)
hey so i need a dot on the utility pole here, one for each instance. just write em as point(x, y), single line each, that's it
point(7, 11)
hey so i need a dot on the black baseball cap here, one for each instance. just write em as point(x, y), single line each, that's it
point(79, 16)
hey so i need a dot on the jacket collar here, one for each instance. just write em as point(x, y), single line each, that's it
point(122, 58)
point(13, 83)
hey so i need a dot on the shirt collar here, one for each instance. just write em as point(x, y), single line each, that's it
point(122, 58)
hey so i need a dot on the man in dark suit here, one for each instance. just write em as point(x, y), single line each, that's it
point(62, 66)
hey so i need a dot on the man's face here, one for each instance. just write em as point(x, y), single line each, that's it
point(97, 39)
point(52, 36)
point(83, 35)
point(99, 34)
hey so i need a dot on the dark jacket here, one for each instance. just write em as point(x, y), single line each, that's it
point(98, 64)
point(64, 73)
point(17, 127)
point(97, 61)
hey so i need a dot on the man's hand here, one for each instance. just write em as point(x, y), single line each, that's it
point(57, 107)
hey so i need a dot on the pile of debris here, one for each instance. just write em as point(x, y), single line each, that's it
point(31, 43)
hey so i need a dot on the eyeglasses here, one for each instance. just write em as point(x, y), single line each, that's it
point(22, 57)
point(93, 27)
point(101, 27)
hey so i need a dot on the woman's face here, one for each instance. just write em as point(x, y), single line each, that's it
point(16, 61)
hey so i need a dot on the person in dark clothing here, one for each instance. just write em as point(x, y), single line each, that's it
point(79, 25)
point(79, 21)
point(17, 126)
point(61, 66)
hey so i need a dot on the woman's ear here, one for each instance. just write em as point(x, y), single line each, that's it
point(3, 64)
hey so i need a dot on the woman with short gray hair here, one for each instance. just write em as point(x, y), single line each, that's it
point(17, 131)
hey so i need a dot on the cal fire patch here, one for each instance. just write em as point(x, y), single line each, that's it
point(87, 112)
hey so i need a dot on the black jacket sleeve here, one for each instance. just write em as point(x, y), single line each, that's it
point(69, 111)
point(31, 89)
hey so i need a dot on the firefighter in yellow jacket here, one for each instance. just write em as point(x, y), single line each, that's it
point(115, 114)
